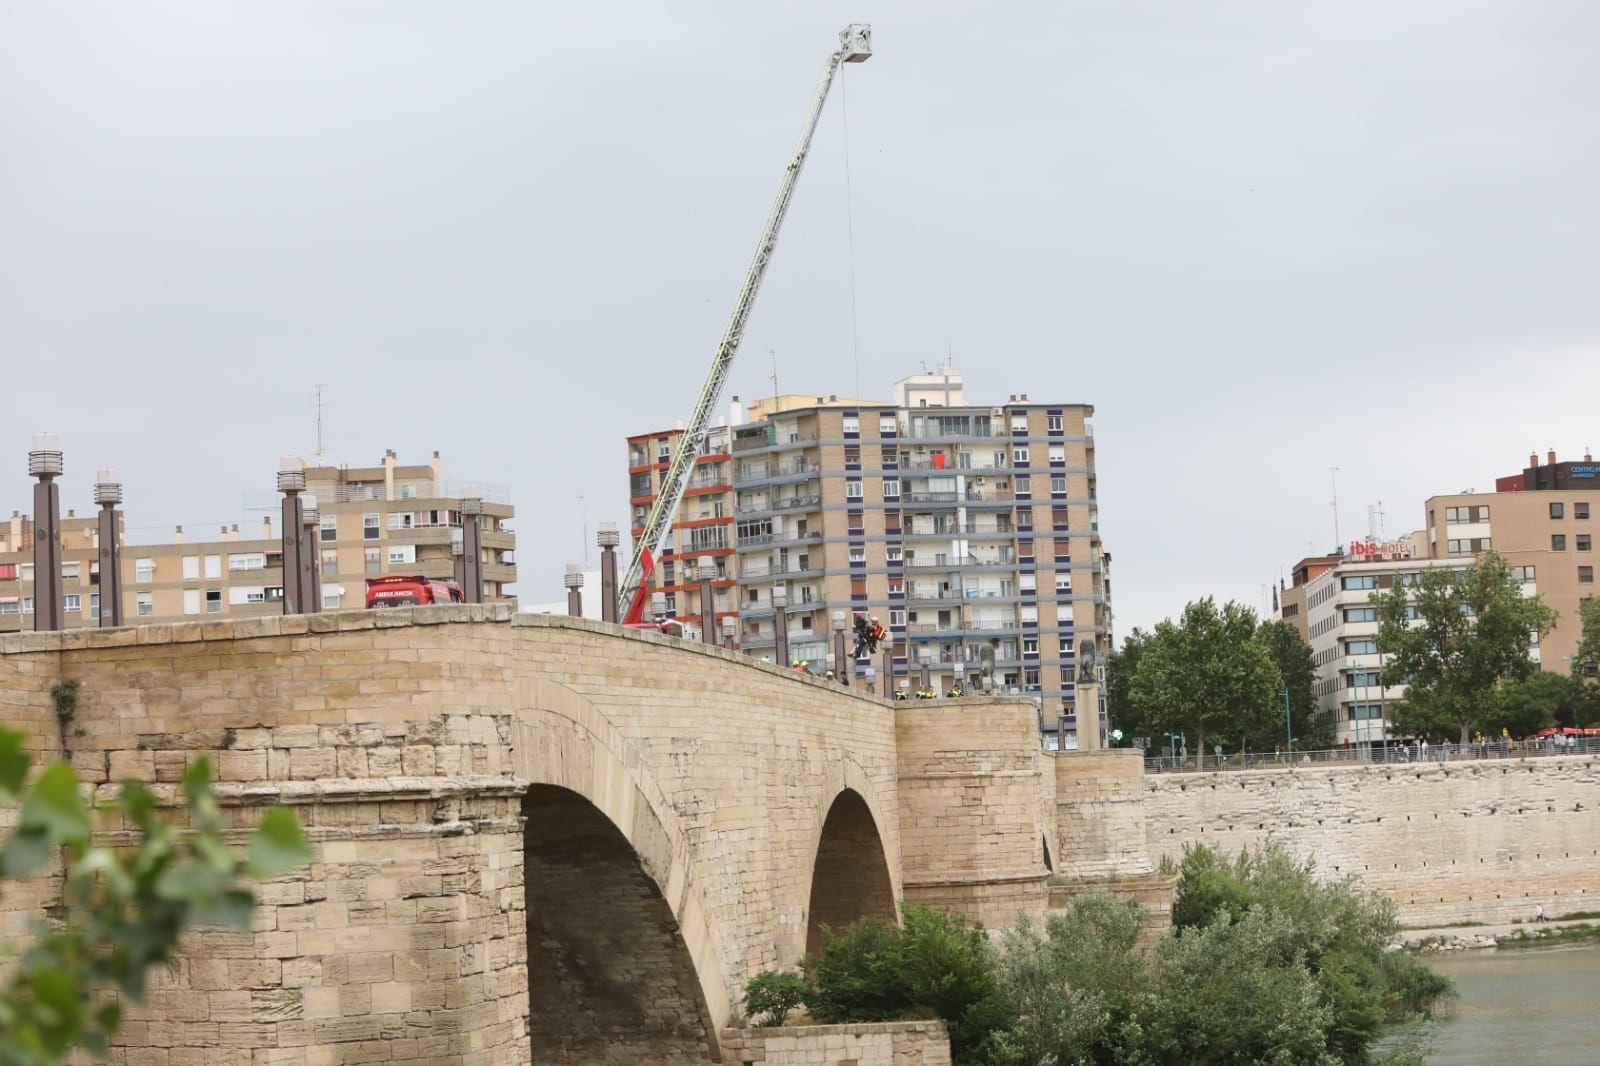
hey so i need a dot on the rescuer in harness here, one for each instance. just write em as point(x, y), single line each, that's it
point(868, 634)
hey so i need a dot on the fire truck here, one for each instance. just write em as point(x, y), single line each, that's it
point(410, 591)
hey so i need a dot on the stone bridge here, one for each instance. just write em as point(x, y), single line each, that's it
point(543, 838)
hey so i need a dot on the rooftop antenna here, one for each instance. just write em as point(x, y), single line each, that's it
point(584, 511)
point(1333, 476)
point(1380, 520)
point(320, 461)
point(774, 376)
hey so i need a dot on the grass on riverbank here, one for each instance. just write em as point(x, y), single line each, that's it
point(1544, 936)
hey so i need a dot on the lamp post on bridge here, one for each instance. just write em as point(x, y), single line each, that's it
point(49, 602)
point(108, 493)
point(707, 572)
point(843, 667)
point(573, 580)
point(292, 482)
point(608, 538)
point(310, 556)
point(780, 623)
point(730, 626)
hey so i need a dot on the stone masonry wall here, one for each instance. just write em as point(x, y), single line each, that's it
point(1463, 841)
point(881, 1044)
point(973, 827)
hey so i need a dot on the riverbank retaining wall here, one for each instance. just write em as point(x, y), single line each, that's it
point(1473, 841)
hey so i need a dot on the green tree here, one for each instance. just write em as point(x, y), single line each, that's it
point(1471, 632)
point(123, 909)
point(1586, 661)
point(1121, 666)
point(1298, 669)
point(1208, 675)
point(1534, 703)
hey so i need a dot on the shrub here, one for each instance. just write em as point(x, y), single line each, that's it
point(772, 995)
point(936, 966)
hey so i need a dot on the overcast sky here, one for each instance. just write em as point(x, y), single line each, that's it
point(1263, 239)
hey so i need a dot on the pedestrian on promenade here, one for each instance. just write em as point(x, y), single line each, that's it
point(1424, 753)
point(1539, 914)
point(1505, 742)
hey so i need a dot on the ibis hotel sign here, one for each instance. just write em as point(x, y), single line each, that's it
point(1395, 549)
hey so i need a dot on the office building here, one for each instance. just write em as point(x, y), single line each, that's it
point(372, 521)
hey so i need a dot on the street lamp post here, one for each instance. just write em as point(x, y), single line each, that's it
point(707, 573)
point(472, 548)
point(310, 556)
point(573, 580)
point(292, 482)
point(780, 623)
point(843, 667)
point(608, 538)
point(108, 493)
point(49, 603)
point(1288, 723)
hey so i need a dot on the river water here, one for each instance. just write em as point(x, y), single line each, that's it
point(1520, 1006)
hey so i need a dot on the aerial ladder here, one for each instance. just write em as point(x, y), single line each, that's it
point(855, 46)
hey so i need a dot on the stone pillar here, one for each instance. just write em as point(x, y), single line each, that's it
point(888, 670)
point(608, 538)
point(1086, 703)
point(780, 623)
point(574, 582)
point(108, 493)
point(708, 602)
point(44, 463)
point(458, 561)
point(730, 627)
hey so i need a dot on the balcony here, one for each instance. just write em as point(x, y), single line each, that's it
point(789, 503)
point(931, 497)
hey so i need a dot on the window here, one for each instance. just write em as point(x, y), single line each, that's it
point(1030, 645)
point(1580, 510)
point(1024, 486)
point(897, 586)
point(213, 566)
point(213, 601)
point(1052, 423)
point(330, 564)
point(894, 553)
point(1585, 575)
point(897, 616)
point(1058, 453)
point(851, 424)
point(191, 569)
point(1019, 454)
point(1557, 510)
point(1359, 581)
point(1058, 485)
point(1361, 614)
point(401, 554)
point(1460, 547)
point(10, 605)
point(145, 604)
point(329, 529)
point(191, 601)
point(891, 488)
point(330, 601)
point(27, 605)
point(1523, 573)
point(1361, 647)
point(74, 602)
point(408, 491)
point(370, 527)
point(1558, 542)
point(858, 555)
point(94, 605)
point(852, 490)
point(248, 561)
point(144, 570)
point(240, 594)
point(25, 571)
point(1063, 583)
point(71, 571)
point(374, 560)
point(8, 571)
point(886, 426)
point(1019, 423)
point(1583, 542)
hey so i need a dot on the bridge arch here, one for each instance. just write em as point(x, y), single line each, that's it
point(621, 956)
point(851, 875)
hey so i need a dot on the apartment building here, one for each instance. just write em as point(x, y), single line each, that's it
point(970, 530)
point(703, 528)
point(1543, 521)
point(1342, 625)
point(374, 520)
point(1291, 598)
